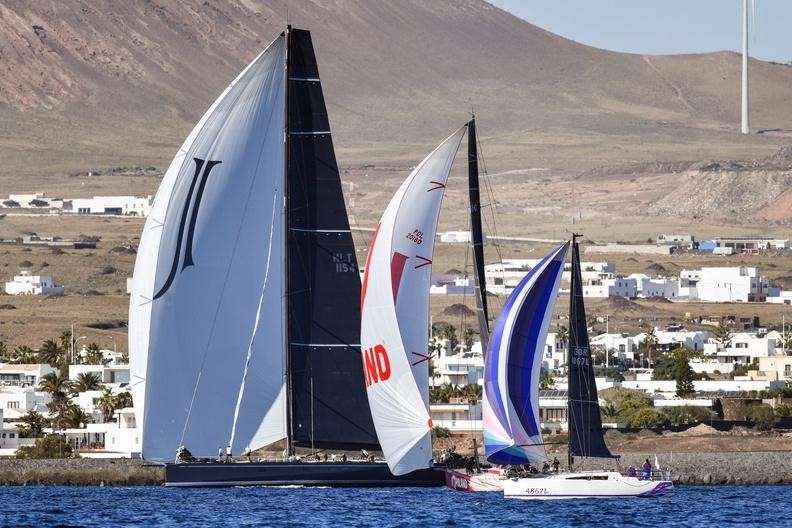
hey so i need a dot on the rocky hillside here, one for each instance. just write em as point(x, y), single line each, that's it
point(103, 84)
point(731, 191)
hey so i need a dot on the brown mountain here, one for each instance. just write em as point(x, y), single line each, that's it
point(102, 84)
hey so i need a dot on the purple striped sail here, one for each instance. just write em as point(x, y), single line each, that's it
point(512, 434)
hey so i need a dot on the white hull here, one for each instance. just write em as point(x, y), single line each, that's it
point(584, 485)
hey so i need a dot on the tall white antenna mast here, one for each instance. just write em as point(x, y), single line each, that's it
point(745, 127)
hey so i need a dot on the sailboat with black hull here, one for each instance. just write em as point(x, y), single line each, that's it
point(244, 319)
point(585, 425)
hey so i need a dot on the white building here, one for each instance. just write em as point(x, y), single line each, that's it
point(456, 237)
point(24, 199)
point(458, 367)
point(780, 297)
point(12, 375)
point(115, 376)
point(776, 367)
point(461, 417)
point(623, 346)
point(672, 288)
point(27, 284)
point(123, 437)
point(611, 287)
point(503, 277)
point(675, 239)
point(743, 348)
point(732, 284)
point(109, 205)
point(668, 387)
point(456, 285)
point(9, 437)
point(16, 402)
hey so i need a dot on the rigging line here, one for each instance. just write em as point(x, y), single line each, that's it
point(491, 198)
point(228, 269)
point(256, 323)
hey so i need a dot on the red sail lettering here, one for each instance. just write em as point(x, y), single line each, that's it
point(383, 363)
point(376, 365)
point(370, 367)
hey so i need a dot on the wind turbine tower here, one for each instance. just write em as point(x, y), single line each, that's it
point(745, 128)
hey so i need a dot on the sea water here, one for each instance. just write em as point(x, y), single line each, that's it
point(36, 506)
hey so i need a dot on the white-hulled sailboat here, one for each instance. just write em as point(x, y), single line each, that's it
point(244, 320)
point(585, 426)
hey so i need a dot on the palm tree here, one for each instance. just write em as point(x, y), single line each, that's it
point(467, 338)
point(562, 335)
point(107, 404)
point(24, 355)
point(34, 424)
point(722, 336)
point(649, 344)
point(472, 392)
point(66, 340)
point(546, 381)
point(86, 381)
point(786, 341)
point(50, 353)
point(4, 355)
point(74, 417)
point(54, 383)
point(93, 355)
point(450, 333)
point(123, 400)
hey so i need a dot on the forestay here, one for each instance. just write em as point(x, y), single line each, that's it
point(512, 434)
point(199, 277)
point(395, 312)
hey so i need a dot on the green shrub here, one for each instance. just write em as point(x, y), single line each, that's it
point(626, 400)
point(761, 415)
point(646, 418)
point(784, 409)
point(686, 414)
point(50, 446)
point(441, 432)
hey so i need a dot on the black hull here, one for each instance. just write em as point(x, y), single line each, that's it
point(335, 474)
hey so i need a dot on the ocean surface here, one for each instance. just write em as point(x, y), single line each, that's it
point(60, 506)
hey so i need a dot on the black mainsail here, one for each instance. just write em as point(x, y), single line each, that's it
point(583, 411)
point(327, 397)
point(477, 235)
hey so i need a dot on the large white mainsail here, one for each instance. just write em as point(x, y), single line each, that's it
point(199, 275)
point(395, 312)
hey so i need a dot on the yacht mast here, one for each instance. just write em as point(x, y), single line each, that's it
point(285, 283)
point(477, 236)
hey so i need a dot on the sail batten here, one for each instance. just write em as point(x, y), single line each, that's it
point(512, 433)
point(395, 312)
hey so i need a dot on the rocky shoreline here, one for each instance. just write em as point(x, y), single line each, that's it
point(80, 472)
point(703, 468)
point(764, 467)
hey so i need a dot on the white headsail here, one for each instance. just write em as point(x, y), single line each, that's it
point(199, 277)
point(395, 312)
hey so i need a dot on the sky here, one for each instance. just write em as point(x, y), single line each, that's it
point(664, 26)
